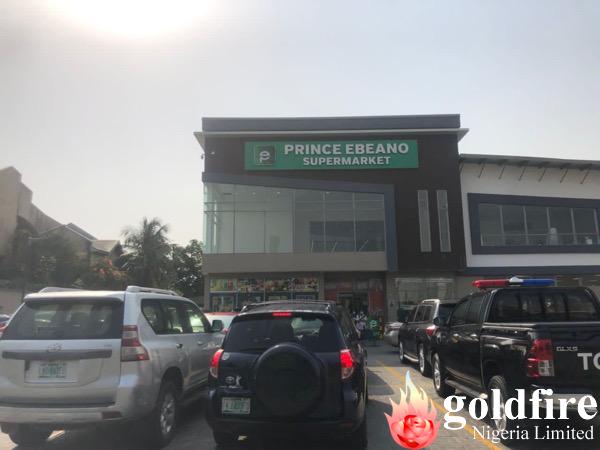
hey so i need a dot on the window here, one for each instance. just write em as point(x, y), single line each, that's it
point(314, 332)
point(513, 220)
point(459, 316)
point(586, 227)
point(255, 219)
point(443, 220)
point(445, 309)
point(67, 319)
point(173, 320)
point(424, 223)
point(474, 314)
point(153, 314)
point(543, 306)
point(512, 225)
point(411, 315)
point(424, 314)
point(195, 320)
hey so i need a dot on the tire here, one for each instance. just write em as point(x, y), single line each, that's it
point(289, 380)
point(424, 365)
point(439, 378)
point(358, 439)
point(162, 423)
point(504, 423)
point(28, 436)
point(401, 351)
point(224, 439)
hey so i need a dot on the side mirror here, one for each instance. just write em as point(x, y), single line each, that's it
point(439, 322)
point(217, 325)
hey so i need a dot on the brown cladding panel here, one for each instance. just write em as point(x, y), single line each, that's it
point(438, 169)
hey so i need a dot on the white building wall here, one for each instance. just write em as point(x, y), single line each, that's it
point(490, 179)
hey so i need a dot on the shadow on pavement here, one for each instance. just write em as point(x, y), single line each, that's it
point(377, 385)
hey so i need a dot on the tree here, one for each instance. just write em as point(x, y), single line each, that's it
point(103, 275)
point(187, 267)
point(147, 254)
point(54, 261)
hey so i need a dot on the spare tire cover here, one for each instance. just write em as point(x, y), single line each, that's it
point(288, 379)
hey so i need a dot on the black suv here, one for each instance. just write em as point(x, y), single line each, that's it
point(289, 369)
point(414, 336)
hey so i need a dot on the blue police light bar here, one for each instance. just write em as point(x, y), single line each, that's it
point(539, 282)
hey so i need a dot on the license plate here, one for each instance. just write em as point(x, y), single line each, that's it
point(52, 370)
point(235, 405)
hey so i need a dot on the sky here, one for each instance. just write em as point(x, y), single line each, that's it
point(99, 99)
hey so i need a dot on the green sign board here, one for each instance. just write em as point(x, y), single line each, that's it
point(331, 155)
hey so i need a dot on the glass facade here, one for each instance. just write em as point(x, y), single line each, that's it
point(516, 225)
point(255, 219)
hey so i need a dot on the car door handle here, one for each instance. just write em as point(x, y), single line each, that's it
point(455, 335)
point(199, 342)
point(473, 335)
point(179, 346)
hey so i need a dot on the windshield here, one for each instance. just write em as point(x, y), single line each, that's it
point(316, 333)
point(67, 319)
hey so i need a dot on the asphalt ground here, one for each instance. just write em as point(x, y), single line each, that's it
point(387, 377)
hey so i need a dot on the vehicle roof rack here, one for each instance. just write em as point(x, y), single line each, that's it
point(57, 289)
point(150, 290)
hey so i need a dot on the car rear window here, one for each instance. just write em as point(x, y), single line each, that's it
point(67, 319)
point(543, 306)
point(258, 332)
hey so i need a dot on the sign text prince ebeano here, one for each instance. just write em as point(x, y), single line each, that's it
point(331, 155)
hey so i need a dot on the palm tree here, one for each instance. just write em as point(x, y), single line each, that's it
point(147, 249)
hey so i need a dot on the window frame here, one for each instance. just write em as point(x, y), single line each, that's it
point(474, 200)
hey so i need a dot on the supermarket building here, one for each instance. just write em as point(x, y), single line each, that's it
point(370, 212)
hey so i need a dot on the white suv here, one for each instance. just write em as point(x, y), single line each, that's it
point(71, 357)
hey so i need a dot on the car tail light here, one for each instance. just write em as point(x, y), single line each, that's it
point(282, 314)
point(214, 363)
point(540, 359)
point(347, 364)
point(131, 347)
point(430, 330)
point(2, 328)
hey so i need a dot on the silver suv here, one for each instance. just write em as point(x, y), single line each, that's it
point(71, 357)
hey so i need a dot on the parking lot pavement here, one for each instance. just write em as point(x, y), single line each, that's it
point(386, 378)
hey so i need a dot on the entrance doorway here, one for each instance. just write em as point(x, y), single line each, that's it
point(354, 302)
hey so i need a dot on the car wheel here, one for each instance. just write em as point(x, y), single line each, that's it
point(224, 439)
point(424, 366)
point(502, 423)
point(439, 378)
point(163, 420)
point(28, 436)
point(401, 351)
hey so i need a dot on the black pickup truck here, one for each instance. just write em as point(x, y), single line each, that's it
point(518, 335)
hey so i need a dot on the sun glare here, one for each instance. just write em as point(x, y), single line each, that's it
point(133, 18)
